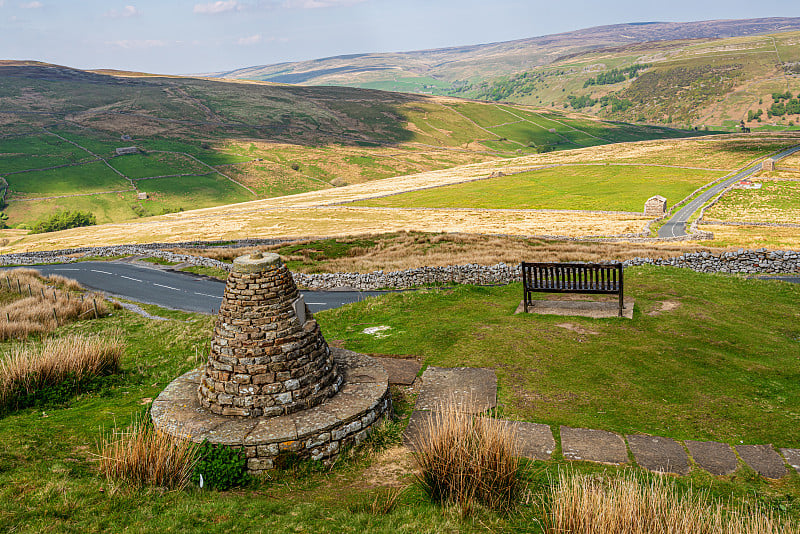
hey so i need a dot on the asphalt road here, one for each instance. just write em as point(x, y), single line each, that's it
point(174, 290)
point(676, 225)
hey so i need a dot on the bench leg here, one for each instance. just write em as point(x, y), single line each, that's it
point(621, 305)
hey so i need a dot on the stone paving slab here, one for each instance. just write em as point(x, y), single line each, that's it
point(401, 371)
point(716, 458)
point(417, 426)
point(661, 455)
point(474, 389)
point(533, 440)
point(763, 459)
point(792, 458)
point(579, 308)
point(593, 445)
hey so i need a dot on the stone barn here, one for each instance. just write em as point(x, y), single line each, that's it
point(768, 165)
point(655, 206)
point(127, 150)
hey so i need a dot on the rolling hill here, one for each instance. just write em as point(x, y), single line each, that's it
point(425, 70)
point(688, 74)
point(203, 142)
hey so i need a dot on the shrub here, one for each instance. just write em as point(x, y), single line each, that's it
point(220, 467)
point(587, 504)
point(142, 456)
point(466, 460)
point(64, 220)
point(62, 364)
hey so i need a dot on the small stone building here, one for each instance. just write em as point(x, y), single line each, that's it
point(656, 206)
point(142, 196)
point(768, 165)
point(122, 151)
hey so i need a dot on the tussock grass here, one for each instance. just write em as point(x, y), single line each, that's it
point(41, 304)
point(25, 368)
point(622, 505)
point(143, 456)
point(467, 460)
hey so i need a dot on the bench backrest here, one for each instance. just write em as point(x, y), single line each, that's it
point(572, 277)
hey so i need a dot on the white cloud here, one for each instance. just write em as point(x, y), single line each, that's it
point(125, 12)
point(313, 4)
point(30, 5)
point(251, 40)
point(133, 44)
point(221, 6)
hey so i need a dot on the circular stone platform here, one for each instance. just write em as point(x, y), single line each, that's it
point(318, 433)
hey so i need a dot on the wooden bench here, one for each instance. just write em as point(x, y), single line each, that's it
point(588, 278)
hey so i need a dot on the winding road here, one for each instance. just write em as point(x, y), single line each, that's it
point(676, 225)
point(175, 290)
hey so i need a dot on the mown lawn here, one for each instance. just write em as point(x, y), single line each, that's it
point(569, 187)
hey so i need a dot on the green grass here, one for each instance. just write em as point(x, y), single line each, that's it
point(672, 374)
point(42, 145)
point(705, 370)
point(107, 208)
point(610, 188)
point(775, 202)
point(213, 272)
point(67, 181)
point(156, 164)
point(191, 192)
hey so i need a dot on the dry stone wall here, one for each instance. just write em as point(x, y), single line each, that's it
point(741, 261)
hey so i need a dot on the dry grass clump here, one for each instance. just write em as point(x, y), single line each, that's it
point(143, 456)
point(36, 306)
point(407, 250)
point(622, 505)
point(466, 460)
point(26, 369)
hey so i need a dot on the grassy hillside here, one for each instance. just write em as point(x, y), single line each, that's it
point(440, 70)
point(204, 143)
point(696, 82)
point(460, 195)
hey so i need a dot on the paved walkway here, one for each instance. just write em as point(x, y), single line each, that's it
point(476, 391)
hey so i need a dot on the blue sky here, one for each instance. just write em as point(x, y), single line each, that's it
point(191, 36)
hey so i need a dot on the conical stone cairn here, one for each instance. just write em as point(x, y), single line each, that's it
point(268, 356)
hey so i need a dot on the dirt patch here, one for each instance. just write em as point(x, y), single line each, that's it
point(577, 328)
point(391, 468)
point(665, 306)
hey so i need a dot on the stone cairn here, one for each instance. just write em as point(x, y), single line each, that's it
point(272, 385)
point(267, 358)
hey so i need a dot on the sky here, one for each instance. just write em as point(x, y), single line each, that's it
point(200, 36)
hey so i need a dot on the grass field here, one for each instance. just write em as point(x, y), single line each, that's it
point(602, 187)
point(49, 479)
point(107, 208)
point(692, 364)
point(775, 202)
point(137, 166)
point(192, 192)
point(92, 177)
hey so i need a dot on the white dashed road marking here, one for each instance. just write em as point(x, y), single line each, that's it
point(167, 287)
